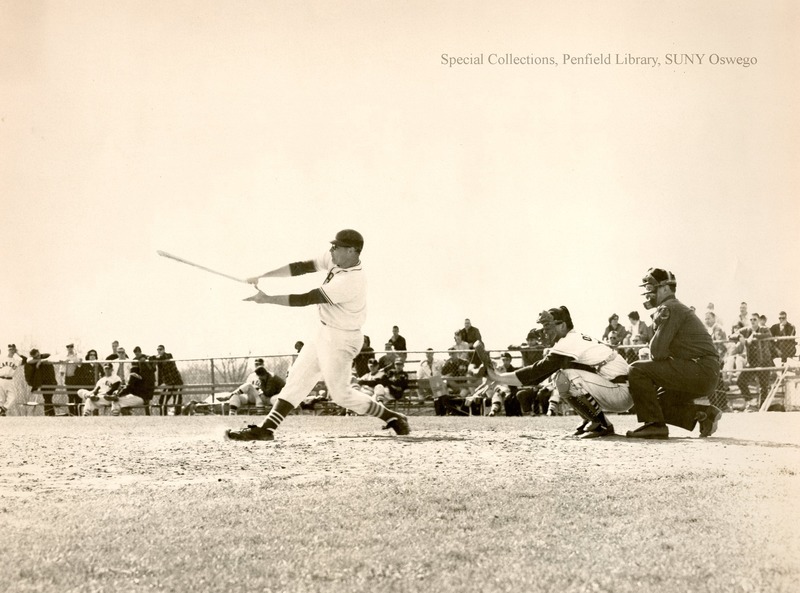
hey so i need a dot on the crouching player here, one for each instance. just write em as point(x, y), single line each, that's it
point(263, 388)
point(589, 375)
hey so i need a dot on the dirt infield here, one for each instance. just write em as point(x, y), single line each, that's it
point(490, 504)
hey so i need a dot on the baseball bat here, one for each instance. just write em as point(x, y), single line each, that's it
point(189, 263)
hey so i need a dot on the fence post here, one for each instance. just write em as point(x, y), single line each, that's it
point(213, 381)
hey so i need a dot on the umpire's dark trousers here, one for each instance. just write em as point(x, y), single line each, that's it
point(665, 390)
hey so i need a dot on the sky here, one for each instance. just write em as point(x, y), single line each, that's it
point(243, 135)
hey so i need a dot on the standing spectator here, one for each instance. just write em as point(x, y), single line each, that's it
point(361, 361)
point(532, 350)
point(87, 373)
point(784, 349)
point(469, 333)
point(742, 321)
point(123, 368)
point(759, 354)
point(170, 377)
point(114, 348)
point(717, 334)
point(398, 343)
point(8, 370)
point(68, 369)
point(41, 376)
point(105, 393)
point(614, 326)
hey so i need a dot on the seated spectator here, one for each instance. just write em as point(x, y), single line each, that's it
point(613, 325)
point(267, 386)
point(505, 395)
point(532, 350)
point(41, 376)
point(136, 392)
point(373, 382)
point(454, 371)
point(742, 321)
point(397, 380)
point(428, 368)
point(783, 349)
point(105, 393)
point(462, 348)
point(632, 354)
point(734, 359)
point(637, 327)
point(361, 361)
point(398, 343)
point(717, 334)
point(759, 354)
point(386, 361)
point(69, 365)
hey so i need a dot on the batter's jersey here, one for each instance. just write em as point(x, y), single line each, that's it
point(591, 352)
point(345, 292)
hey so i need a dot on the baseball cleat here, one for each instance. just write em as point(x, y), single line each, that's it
point(708, 422)
point(595, 430)
point(250, 433)
point(581, 429)
point(649, 430)
point(399, 425)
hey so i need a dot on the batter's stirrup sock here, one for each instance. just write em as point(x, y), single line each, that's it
point(277, 414)
point(380, 411)
point(233, 411)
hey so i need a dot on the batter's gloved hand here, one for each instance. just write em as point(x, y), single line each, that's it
point(258, 297)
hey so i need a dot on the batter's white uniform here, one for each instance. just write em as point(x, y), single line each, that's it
point(329, 355)
point(8, 370)
point(608, 364)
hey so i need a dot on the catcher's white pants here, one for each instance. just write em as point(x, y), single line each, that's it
point(612, 397)
point(329, 357)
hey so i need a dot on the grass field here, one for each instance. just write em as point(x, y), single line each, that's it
point(337, 505)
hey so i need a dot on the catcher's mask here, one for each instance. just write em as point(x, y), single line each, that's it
point(654, 278)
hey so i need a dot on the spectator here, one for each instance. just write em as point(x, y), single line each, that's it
point(373, 382)
point(8, 371)
point(742, 321)
point(397, 380)
point(717, 334)
point(469, 333)
point(734, 359)
point(87, 373)
point(170, 377)
point(784, 349)
point(460, 345)
point(710, 307)
point(68, 368)
point(532, 350)
point(613, 325)
point(637, 328)
point(386, 361)
point(136, 392)
point(454, 372)
point(361, 361)
point(632, 354)
point(505, 395)
point(123, 369)
point(398, 343)
point(429, 368)
point(612, 339)
point(41, 376)
point(105, 393)
point(759, 354)
point(114, 348)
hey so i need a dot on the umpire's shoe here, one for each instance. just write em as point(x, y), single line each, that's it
point(650, 430)
point(399, 425)
point(250, 433)
point(709, 418)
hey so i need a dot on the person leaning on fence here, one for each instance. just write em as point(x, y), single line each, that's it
point(589, 375)
point(105, 393)
point(169, 377)
point(41, 376)
point(756, 339)
point(784, 349)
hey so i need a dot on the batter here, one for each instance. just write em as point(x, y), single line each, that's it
point(342, 306)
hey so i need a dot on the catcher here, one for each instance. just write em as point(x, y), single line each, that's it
point(589, 375)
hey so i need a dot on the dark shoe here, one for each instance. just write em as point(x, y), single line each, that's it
point(581, 429)
point(250, 433)
point(399, 425)
point(595, 430)
point(651, 430)
point(709, 420)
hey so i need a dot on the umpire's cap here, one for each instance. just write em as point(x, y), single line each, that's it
point(659, 277)
point(349, 238)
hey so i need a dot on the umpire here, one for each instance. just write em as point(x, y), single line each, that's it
point(684, 366)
